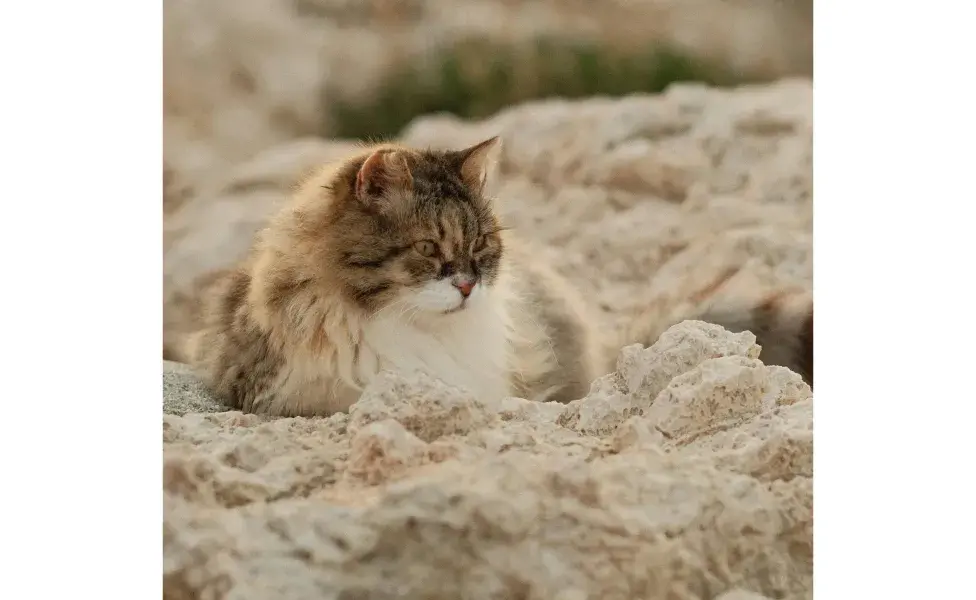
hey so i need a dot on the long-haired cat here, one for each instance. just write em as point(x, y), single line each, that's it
point(393, 259)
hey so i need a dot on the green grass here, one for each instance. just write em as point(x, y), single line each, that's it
point(477, 78)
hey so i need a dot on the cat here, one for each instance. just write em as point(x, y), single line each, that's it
point(393, 259)
point(782, 323)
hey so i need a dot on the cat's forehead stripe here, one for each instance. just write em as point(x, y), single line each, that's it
point(456, 228)
point(448, 235)
point(471, 225)
point(437, 188)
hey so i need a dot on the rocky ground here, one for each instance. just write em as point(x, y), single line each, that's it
point(685, 473)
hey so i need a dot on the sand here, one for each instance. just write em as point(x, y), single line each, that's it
point(684, 473)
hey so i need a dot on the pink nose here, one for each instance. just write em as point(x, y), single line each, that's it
point(465, 286)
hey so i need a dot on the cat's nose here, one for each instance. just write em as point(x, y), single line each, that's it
point(464, 286)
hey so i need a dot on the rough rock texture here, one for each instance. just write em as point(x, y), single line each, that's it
point(657, 205)
point(241, 76)
point(685, 473)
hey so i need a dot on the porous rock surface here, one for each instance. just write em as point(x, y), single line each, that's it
point(685, 473)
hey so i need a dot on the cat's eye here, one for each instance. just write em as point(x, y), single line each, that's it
point(479, 244)
point(426, 248)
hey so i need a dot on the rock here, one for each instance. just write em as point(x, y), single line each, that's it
point(643, 376)
point(232, 459)
point(383, 447)
point(421, 491)
point(520, 409)
point(718, 389)
point(645, 371)
point(426, 407)
point(607, 405)
point(741, 595)
point(514, 527)
point(637, 433)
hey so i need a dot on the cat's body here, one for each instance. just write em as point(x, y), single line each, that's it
point(393, 260)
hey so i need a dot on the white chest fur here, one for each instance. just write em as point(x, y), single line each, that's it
point(469, 348)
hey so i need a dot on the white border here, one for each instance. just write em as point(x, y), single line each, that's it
point(81, 248)
point(893, 238)
point(80, 244)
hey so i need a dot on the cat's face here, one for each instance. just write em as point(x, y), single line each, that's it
point(418, 237)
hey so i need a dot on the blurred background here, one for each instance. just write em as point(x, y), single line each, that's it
point(646, 184)
point(243, 75)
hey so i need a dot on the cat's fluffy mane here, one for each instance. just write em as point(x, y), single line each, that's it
point(337, 289)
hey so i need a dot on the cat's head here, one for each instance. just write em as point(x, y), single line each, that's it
point(413, 231)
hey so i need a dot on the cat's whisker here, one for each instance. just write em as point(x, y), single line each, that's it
point(397, 303)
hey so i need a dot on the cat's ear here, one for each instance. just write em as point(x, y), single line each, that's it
point(383, 170)
point(478, 162)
